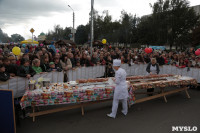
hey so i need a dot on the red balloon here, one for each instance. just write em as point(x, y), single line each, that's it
point(146, 50)
point(110, 46)
point(150, 50)
point(197, 52)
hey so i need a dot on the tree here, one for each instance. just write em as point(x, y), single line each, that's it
point(17, 38)
point(196, 36)
point(58, 33)
point(4, 38)
point(81, 34)
point(170, 23)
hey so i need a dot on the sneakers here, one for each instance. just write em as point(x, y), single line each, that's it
point(109, 115)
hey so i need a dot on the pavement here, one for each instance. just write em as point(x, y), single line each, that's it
point(153, 116)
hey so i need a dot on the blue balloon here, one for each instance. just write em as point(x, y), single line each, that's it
point(24, 45)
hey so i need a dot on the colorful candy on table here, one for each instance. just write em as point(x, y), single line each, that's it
point(71, 92)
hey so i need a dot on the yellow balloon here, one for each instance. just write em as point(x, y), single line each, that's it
point(16, 50)
point(104, 41)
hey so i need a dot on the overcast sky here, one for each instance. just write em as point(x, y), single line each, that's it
point(19, 16)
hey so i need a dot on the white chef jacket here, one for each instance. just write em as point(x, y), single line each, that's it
point(121, 90)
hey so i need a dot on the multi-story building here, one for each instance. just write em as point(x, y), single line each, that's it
point(41, 37)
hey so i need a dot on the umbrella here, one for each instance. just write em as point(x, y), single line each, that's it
point(29, 41)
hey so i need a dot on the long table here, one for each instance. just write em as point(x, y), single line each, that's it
point(90, 93)
point(78, 96)
point(176, 82)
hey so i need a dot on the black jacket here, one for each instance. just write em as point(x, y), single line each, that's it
point(109, 72)
point(45, 67)
point(12, 68)
point(157, 68)
point(73, 61)
point(83, 62)
point(23, 73)
point(160, 60)
point(58, 67)
point(4, 76)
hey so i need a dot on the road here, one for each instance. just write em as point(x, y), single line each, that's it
point(153, 116)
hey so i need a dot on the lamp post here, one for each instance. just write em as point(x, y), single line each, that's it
point(92, 26)
point(73, 30)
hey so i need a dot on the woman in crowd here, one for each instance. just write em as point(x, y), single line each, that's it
point(89, 62)
point(102, 61)
point(152, 68)
point(66, 65)
point(45, 64)
point(83, 60)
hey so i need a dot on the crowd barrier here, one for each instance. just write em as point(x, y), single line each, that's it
point(86, 73)
point(19, 84)
point(140, 69)
point(133, 70)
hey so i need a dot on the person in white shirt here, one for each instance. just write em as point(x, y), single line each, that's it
point(121, 90)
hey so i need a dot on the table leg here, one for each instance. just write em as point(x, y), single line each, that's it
point(82, 110)
point(33, 113)
point(188, 96)
point(162, 90)
point(129, 106)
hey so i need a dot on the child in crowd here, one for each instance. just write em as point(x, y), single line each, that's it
point(36, 66)
point(53, 67)
point(25, 70)
point(4, 76)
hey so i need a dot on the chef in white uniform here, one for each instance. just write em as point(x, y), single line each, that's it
point(121, 90)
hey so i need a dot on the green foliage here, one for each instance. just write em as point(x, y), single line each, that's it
point(4, 38)
point(17, 38)
point(171, 23)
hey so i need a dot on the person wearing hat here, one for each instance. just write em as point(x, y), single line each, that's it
point(121, 91)
point(4, 76)
point(53, 67)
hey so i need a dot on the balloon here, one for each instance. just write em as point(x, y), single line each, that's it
point(150, 50)
point(197, 52)
point(110, 46)
point(16, 50)
point(24, 45)
point(57, 50)
point(104, 41)
point(41, 45)
point(146, 50)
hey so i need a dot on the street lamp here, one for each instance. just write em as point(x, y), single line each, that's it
point(73, 30)
point(92, 26)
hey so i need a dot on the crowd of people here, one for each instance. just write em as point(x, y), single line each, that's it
point(46, 58)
